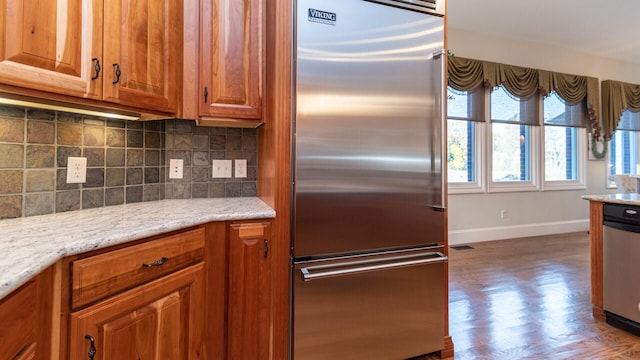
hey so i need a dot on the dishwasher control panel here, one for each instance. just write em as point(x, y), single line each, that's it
point(627, 214)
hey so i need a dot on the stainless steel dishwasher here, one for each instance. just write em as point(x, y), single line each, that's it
point(621, 266)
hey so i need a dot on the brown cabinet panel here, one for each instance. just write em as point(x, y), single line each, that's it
point(49, 45)
point(159, 320)
point(18, 316)
point(231, 58)
point(141, 40)
point(249, 297)
point(26, 320)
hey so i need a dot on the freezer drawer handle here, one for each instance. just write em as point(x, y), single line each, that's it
point(370, 265)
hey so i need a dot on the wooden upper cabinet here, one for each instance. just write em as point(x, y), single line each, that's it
point(231, 59)
point(78, 47)
point(141, 48)
point(49, 45)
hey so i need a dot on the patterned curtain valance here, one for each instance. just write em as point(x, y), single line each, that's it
point(617, 96)
point(468, 74)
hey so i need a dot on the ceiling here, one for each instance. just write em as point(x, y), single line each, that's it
point(607, 29)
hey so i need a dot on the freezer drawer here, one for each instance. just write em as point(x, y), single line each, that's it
point(384, 306)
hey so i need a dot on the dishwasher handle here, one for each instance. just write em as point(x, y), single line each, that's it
point(361, 266)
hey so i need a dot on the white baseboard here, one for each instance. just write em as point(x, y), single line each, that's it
point(466, 236)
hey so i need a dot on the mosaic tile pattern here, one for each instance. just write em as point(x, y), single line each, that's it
point(126, 161)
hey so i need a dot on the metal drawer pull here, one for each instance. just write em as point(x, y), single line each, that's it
point(157, 263)
point(92, 350)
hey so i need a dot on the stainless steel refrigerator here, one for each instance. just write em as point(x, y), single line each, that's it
point(368, 178)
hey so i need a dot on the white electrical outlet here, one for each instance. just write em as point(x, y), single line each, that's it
point(221, 168)
point(76, 170)
point(241, 168)
point(175, 168)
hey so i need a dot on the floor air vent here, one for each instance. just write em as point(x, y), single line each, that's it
point(461, 247)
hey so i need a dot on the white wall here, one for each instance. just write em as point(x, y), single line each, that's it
point(476, 217)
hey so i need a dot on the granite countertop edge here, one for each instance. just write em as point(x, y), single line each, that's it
point(31, 244)
point(626, 199)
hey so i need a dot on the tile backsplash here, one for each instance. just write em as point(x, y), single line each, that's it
point(126, 161)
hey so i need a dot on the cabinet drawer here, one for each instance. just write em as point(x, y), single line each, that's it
point(106, 274)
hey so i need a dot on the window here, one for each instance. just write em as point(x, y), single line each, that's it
point(564, 141)
point(513, 140)
point(624, 156)
point(532, 144)
point(464, 138)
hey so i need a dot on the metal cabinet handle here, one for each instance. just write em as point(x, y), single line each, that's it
point(156, 263)
point(118, 73)
point(97, 68)
point(206, 94)
point(92, 349)
point(266, 248)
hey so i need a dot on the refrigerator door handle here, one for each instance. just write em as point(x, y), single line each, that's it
point(441, 54)
point(359, 266)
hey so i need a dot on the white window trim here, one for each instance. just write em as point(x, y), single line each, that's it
point(577, 184)
point(479, 153)
point(515, 186)
point(610, 184)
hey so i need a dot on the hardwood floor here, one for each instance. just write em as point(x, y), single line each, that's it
point(529, 298)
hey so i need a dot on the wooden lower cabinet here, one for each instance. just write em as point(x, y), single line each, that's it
point(249, 292)
point(209, 296)
point(158, 320)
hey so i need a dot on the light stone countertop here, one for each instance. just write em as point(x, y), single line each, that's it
point(31, 244)
point(627, 199)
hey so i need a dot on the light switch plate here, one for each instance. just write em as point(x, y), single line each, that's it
point(76, 170)
point(221, 168)
point(176, 168)
point(241, 168)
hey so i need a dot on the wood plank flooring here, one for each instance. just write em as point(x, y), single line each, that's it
point(529, 298)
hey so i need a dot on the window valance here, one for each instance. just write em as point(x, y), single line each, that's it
point(467, 74)
point(617, 96)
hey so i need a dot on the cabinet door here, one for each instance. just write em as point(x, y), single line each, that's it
point(49, 45)
point(232, 58)
point(141, 41)
point(159, 320)
point(26, 320)
point(249, 291)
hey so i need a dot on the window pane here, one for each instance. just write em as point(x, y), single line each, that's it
point(554, 108)
point(467, 105)
point(560, 153)
point(511, 152)
point(623, 155)
point(557, 112)
point(507, 108)
point(504, 106)
point(629, 121)
point(461, 145)
point(457, 104)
